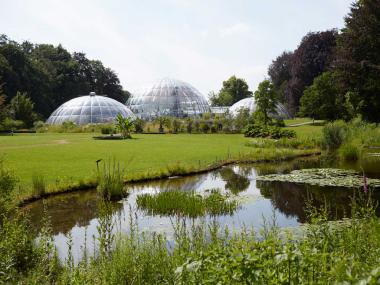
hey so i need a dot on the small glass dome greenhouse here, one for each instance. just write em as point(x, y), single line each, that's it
point(169, 97)
point(89, 109)
point(250, 104)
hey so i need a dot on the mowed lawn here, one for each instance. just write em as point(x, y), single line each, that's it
point(73, 156)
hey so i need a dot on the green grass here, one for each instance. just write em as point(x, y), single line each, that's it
point(187, 204)
point(306, 131)
point(68, 160)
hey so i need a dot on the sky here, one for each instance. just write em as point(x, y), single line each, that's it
point(202, 42)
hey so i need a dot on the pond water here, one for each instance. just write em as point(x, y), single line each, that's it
point(77, 213)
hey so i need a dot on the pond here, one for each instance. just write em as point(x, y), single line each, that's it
point(77, 213)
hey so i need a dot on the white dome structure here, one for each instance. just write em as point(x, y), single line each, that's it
point(169, 97)
point(250, 104)
point(89, 109)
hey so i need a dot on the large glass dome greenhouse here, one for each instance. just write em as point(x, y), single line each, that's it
point(250, 104)
point(169, 97)
point(89, 109)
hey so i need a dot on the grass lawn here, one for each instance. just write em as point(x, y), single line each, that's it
point(70, 157)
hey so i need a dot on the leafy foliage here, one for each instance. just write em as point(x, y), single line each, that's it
point(125, 126)
point(358, 58)
point(265, 98)
point(322, 100)
point(50, 75)
point(267, 131)
point(22, 109)
point(234, 89)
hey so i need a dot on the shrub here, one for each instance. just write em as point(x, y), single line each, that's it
point(107, 130)
point(8, 182)
point(334, 135)
point(204, 127)
point(139, 125)
point(266, 131)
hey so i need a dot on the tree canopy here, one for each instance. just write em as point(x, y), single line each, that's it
point(234, 89)
point(321, 100)
point(358, 58)
point(266, 99)
point(50, 75)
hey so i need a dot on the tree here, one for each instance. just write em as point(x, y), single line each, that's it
point(242, 119)
point(266, 100)
point(358, 58)
point(234, 89)
point(51, 75)
point(312, 57)
point(22, 108)
point(125, 125)
point(3, 109)
point(280, 73)
point(321, 100)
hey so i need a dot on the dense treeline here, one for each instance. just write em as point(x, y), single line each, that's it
point(334, 75)
point(50, 75)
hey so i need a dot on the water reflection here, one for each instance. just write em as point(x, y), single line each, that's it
point(77, 213)
point(68, 211)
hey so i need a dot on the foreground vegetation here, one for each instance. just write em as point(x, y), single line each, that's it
point(321, 252)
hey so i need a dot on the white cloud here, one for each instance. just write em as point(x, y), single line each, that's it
point(236, 29)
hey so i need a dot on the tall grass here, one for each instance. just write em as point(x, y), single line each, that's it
point(110, 181)
point(348, 139)
point(38, 184)
point(187, 204)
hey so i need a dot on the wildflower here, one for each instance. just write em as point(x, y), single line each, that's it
point(365, 186)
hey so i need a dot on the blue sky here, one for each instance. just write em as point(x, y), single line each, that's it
point(202, 42)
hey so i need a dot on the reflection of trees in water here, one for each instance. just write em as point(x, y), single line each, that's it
point(67, 210)
point(234, 182)
point(287, 166)
point(291, 199)
point(186, 183)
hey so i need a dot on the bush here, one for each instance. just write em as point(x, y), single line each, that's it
point(204, 127)
point(265, 131)
point(107, 130)
point(139, 125)
point(334, 135)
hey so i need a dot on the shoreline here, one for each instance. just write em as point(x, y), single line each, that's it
point(93, 184)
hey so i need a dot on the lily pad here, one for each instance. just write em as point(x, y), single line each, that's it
point(332, 177)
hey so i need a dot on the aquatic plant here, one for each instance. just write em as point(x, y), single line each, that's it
point(110, 181)
point(349, 152)
point(323, 177)
point(187, 204)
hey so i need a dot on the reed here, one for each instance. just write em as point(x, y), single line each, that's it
point(187, 204)
point(110, 181)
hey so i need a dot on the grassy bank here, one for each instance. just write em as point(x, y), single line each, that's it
point(68, 161)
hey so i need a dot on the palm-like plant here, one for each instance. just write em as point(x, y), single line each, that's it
point(125, 125)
